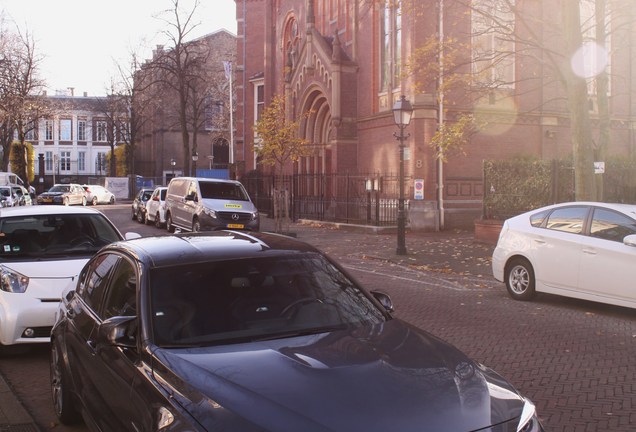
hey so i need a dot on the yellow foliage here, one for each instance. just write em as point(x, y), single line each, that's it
point(279, 136)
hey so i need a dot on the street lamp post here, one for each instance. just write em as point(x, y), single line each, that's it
point(195, 158)
point(402, 112)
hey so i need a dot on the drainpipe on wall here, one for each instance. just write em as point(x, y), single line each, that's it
point(440, 162)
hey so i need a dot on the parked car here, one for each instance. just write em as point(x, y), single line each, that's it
point(22, 195)
point(14, 195)
point(584, 250)
point(42, 250)
point(201, 204)
point(156, 207)
point(139, 204)
point(96, 194)
point(229, 330)
point(66, 194)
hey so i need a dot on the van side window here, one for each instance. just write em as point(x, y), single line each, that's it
point(192, 191)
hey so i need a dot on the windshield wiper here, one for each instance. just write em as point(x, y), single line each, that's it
point(299, 332)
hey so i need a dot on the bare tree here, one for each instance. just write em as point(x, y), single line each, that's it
point(178, 69)
point(480, 64)
point(21, 105)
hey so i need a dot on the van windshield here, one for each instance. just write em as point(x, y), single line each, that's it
point(225, 191)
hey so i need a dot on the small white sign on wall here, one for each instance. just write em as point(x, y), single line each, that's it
point(599, 167)
point(418, 189)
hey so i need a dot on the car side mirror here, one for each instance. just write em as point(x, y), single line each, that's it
point(630, 240)
point(119, 331)
point(384, 300)
point(69, 295)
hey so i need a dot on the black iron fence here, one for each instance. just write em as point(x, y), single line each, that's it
point(345, 198)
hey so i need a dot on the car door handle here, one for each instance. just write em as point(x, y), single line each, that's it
point(92, 346)
point(539, 241)
point(589, 251)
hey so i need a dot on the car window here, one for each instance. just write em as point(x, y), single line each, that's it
point(163, 194)
point(536, 220)
point(231, 301)
point(121, 297)
point(41, 236)
point(567, 219)
point(228, 191)
point(95, 280)
point(611, 225)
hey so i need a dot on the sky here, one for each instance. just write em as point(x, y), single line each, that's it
point(81, 41)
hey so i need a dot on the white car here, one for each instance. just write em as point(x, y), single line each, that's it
point(584, 250)
point(96, 194)
point(42, 250)
point(156, 207)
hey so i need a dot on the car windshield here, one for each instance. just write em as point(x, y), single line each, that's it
point(254, 299)
point(42, 236)
point(60, 188)
point(5, 192)
point(226, 191)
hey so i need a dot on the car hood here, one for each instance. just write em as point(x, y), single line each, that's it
point(373, 378)
point(53, 269)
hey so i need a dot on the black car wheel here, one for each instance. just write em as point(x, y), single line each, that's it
point(169, 225)
point(196, 225)
point(520, 280)
point(157, 220)
point(94, 201)
point(112, 200)
point(141, 217)
point(134, 215)
point(63, 402)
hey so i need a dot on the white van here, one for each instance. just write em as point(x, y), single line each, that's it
point(204, 204)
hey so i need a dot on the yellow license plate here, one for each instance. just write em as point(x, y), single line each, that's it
point(236, 226)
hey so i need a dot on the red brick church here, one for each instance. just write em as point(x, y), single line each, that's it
point(349, 61)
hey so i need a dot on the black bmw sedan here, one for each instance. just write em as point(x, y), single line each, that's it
point(256, 332)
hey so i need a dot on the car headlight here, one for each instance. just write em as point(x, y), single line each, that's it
point(11, 281)
point(209, 212)
point(255, 215)
point(529, 422)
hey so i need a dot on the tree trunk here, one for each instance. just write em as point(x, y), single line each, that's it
point(578, 105)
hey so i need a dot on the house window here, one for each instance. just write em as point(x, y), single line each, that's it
point(391, 46)
point(213, 109)
point(48, 161)
point(493, 47)
point(48, 130)
point(81, 130)
point(65, 161)
point(100, 163)
point(81, 161)
point(259, 101)
point(102, 128)
point(65, 130)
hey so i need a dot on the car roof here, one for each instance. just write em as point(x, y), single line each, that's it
point(190, 248)
point(629, 209)
point(210, 180)
point(38, 210)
